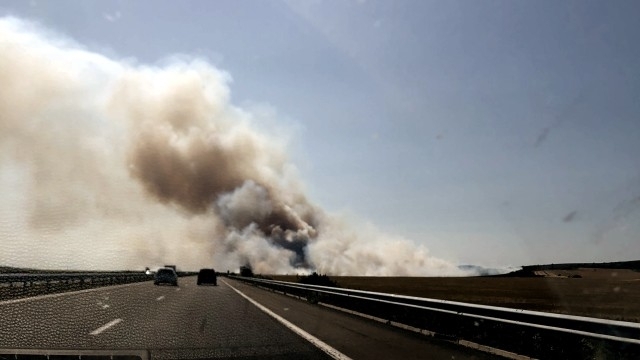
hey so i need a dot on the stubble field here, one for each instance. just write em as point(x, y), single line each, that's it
point(603, 293)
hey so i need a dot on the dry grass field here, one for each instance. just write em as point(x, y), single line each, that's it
point(604, 293)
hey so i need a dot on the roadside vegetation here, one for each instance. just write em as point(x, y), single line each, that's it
point(317, 279)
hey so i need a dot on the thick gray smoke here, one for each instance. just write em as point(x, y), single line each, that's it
point(112, 164)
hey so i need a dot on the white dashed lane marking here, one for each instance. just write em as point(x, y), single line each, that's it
point(105, 327)
point(160, 298)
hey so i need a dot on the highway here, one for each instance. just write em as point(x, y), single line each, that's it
point(193, 321)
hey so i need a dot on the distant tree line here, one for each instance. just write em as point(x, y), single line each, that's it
point(633, 265)
point(317, 279)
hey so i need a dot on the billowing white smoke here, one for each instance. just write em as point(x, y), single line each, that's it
point(111, 164)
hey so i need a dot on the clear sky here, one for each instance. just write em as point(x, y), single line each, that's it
point(493, 132)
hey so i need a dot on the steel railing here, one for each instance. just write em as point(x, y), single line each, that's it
point(30, 279)
point(17, 285)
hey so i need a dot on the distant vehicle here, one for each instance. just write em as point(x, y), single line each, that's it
point(172, 267)
point(246, 271)
point(207, 276)
point(166, 276)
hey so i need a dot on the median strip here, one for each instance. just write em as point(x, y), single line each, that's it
point(305, 335)
point(105, 327)
point(68, 293)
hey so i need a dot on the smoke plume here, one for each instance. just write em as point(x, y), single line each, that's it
point(114, 164)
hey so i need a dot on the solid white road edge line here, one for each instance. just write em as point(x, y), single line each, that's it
point(310, 338)
point(105, 327)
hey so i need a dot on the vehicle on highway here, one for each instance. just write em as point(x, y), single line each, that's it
point(166, 276)
point(207, 276)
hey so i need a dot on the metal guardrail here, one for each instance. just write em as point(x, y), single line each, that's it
point(112, 277)
point(530, 333)
point(107, 278)
point(18, 285)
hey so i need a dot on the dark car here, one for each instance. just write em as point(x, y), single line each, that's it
point(166, 276)
point(207, 276)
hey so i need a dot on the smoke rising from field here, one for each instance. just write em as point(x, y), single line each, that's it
point(114, 164)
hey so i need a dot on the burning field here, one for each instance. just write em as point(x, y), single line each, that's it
point(126, 165)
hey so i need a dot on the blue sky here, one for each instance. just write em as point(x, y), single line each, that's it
point(493, 132)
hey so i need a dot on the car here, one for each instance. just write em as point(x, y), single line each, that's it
point(166, 276)
point(207, 276)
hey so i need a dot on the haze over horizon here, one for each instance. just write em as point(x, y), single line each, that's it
point(409, 136)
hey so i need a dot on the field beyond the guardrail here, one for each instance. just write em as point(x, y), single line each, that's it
point(602, 293)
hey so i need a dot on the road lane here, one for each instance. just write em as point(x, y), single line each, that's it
point(193, 321)
point(189, 322)
point(312, 339)
point(353, 336)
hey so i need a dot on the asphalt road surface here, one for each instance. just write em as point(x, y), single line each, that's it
point(193, 321)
